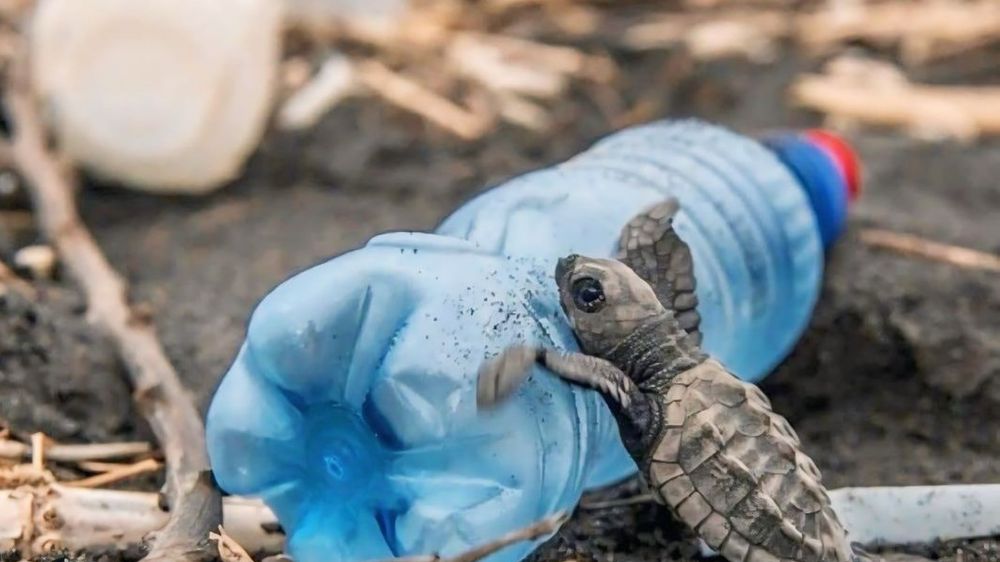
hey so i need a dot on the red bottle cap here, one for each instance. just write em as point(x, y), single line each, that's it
point(845, 157)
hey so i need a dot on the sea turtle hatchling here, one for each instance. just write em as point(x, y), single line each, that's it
point(707, 444)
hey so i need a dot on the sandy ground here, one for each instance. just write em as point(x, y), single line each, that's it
point(896, 382)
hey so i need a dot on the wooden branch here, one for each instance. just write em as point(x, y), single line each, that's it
point(194, 502)
point(910, 245)
point(48, 515)
point(76, 453)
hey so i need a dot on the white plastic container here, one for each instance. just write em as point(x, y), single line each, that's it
point(164, 95)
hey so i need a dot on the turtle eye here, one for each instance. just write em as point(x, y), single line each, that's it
point(588, 295)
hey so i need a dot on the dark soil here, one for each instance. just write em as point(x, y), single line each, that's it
point(56, 374)
point(896, 382)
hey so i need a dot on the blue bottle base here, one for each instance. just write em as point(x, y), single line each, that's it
point(351, 408)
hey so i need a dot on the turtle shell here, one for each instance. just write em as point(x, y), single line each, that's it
point(734, 471)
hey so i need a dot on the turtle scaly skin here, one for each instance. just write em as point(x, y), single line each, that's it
point(707, 444)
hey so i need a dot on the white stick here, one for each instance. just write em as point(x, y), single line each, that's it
point(917, 514)
point(897, 515)
point(75, 453)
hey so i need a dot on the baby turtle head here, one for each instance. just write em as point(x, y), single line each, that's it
point(604, 300)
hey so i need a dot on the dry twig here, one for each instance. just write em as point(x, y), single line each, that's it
point(194, 501)
point(877, 93)
point(77, 453)
point(620, 502)
point(117, 474)
point(413, 97)
point(229, 549)
point(740, 32)
point(38, 443)
point(910, 245)
point(534, 531)
point(488, 63)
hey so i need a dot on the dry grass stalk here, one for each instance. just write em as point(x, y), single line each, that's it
point(487, 64)
point(910, 245)
point(523, 113)
point(100, 466)
point(558, 58)
point(335, 80)
point(875, 93)
point(620, 502)
point(933, 28)
point(511, 64)
point(413, 97)
point(534, 531)
point(117, 474)
point(194, 501)
point(711, 35)
point(76, 453)
point(229, 549)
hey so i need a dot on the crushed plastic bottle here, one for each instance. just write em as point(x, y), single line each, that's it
point(350, 408)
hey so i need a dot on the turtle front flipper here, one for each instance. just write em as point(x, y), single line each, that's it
point(499, 377)
point(650, 246)
point(593, 372)
point(635, 411)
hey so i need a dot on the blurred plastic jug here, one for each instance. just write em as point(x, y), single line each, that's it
point(351, 406)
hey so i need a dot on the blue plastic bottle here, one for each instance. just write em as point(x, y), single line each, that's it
point(351, 406)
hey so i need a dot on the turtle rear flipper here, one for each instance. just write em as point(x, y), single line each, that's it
point(727, 465)
point(651, 247)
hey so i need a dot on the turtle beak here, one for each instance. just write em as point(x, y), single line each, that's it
point(565, 266)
